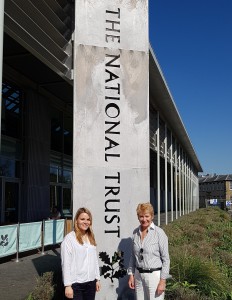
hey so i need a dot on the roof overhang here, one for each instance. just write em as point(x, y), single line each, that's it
point(161, 99)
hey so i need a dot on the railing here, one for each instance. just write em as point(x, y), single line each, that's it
point(222, 203)
point(18, 238)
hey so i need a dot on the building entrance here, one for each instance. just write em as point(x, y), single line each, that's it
point(9, 202)
point(60, 195)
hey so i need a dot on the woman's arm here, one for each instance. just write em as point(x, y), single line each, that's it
point(66, 260)
point(131, 281)
point(98, 285)
point(68, 292)
point(164, 254)
point(131, 269)
point(161, 287)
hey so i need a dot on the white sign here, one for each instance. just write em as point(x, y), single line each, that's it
point(111, 125)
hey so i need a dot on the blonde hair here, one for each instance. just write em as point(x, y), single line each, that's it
point(89, 231)
point(145, 207)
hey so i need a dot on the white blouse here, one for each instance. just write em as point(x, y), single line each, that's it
point(155, 251)
point(79, 262)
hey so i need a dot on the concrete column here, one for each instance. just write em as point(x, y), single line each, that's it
point(185, 185)
point(111, 122)
point(180, 182)
point(158, 169)
point(166, 174)
point(191, 188)
point(171, 168)
point(176, 177)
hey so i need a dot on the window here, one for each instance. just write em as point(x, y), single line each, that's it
point(230, 185)
point(68, 138)
point(56, 131)
point(10, 158)
point(11, 110)
point(61, 183)
point(60, 169)
point(61, 132)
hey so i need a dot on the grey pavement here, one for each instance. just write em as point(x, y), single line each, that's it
point(18, 279)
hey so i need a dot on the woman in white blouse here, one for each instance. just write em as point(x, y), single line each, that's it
point(149, 263)
point(79, 259)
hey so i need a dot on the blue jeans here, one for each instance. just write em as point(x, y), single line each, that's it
point(84, 291)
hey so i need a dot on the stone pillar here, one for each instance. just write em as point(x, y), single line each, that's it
point(111, 123)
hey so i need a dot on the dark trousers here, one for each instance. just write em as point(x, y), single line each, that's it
point(84, 291)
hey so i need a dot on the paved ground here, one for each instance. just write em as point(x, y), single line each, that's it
point(17, 279)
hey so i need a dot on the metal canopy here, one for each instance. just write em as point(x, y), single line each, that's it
point(161, 99)
point(44, 28)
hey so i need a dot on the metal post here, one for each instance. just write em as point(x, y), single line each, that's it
point(17, 245)
point(65, 226)
point(43, 234)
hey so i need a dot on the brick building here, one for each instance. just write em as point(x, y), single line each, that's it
point(215, 187)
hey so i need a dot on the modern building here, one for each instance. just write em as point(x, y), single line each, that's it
point(36, 130)
point(88, 119)
point(215, 188)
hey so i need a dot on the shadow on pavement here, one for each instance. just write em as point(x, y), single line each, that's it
point(51, 263)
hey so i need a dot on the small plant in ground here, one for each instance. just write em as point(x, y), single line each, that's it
point(182, 291)
point(29, 297)
point(44, 288)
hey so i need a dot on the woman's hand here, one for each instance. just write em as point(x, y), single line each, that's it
point(98, 285)
point(161, 287)
point(69, 292)
point(131, 282)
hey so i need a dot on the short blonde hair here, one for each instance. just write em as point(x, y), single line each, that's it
point(145, 207)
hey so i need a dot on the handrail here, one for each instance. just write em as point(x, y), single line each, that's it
point(10, 236)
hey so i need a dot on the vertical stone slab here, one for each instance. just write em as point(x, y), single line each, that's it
point(111, 122)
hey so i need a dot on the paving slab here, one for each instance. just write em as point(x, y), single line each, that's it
point(18, 279)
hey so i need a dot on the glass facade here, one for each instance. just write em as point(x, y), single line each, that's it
point(61, 162)
point(13, 151)
point(61, 183)
point(10, 158)
point(11, 110)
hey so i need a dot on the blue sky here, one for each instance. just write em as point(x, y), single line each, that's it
point(192, 41)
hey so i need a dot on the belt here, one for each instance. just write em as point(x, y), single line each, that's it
point(149, 270)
